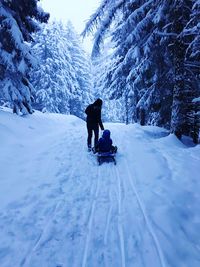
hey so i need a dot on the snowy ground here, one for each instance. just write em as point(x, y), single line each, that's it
point(59, 208)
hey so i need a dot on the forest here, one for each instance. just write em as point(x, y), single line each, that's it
point(145, 62)
point(100, 147)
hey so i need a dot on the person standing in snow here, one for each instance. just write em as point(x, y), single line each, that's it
point(93, 112)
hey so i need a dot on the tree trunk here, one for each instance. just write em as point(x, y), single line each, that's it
point(178, 114)
point(181, 15)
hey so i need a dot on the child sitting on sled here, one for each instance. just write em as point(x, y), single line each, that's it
point(105, 143)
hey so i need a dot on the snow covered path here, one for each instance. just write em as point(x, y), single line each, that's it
point(60, 209)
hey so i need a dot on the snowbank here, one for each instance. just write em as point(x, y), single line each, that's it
point(59, 208)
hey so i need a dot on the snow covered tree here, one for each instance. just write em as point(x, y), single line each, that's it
point(114, 109)
point(151, 42)
point(192, 69)
point(180, 15)
point(81, 64)
point(53, 78)
point(62, 77)
point(133, 73)
point(17, 22)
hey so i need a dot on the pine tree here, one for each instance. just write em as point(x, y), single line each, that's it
point(192, 68)
point(101, 66)
point(180, 17)
point(82, 68)
point(18, 21)
point(62, 79)
point(154, 41)
point(134, 74)
point(54, 78)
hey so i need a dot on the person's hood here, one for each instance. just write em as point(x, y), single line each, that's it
point(98, 102)
point(106, 134)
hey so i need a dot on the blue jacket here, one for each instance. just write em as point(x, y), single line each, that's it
point(105, 142)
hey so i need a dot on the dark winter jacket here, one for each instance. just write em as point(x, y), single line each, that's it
point(93, 112)
point(105, 142)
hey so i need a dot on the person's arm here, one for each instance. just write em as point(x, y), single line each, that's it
point(101, 125)
point(100, 121)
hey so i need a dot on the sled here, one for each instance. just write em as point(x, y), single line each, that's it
point(106, 157)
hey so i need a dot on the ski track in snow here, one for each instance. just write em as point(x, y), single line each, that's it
point(120, 228)
point(108, 219)
point(91, 216)
point(96, 216)
point(116, 193)
point(148, 224)
point(43, 237)
point(126, 170)
point(27, 259)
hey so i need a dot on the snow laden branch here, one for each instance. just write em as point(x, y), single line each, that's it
point(102, 20)
point(154, 43)
point(95, 18)
point(167, 34)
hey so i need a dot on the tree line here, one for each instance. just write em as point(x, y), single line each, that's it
point(42, 65)
point(149, 68)
point(156, 60)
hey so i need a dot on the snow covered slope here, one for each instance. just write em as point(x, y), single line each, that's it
point(59, 208)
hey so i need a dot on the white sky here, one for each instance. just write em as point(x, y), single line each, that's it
point(78, 11)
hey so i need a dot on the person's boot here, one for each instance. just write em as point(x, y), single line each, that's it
point(95, 150)
point(89, 148)
point(115, 149)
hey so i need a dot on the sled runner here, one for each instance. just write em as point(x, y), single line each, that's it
point(106, 157)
